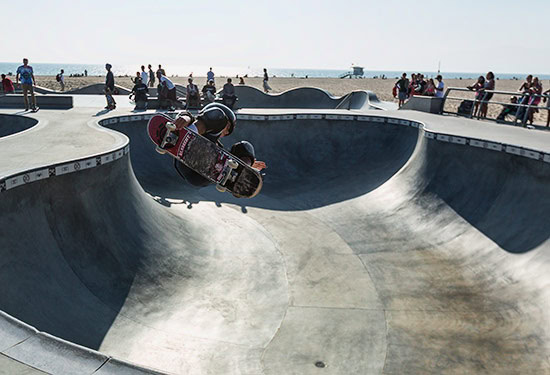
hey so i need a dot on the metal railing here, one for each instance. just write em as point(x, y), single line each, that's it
point(523, 106)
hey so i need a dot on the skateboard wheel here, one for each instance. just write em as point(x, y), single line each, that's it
point(170, 126)
point(160, 150)
point(232, 164)
point(220, 188)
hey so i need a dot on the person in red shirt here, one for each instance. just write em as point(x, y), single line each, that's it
point(7, 85)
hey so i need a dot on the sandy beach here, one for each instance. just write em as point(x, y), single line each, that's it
point(335, 86)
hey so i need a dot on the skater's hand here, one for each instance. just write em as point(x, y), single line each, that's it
point(182, 122)
point(259, 165)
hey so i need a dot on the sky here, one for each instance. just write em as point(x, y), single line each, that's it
point(465, 35)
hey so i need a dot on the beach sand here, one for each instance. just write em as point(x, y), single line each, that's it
point(335, 86)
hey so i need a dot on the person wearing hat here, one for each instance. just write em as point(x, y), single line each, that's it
point(192, 98)
point(109, 87)
point(214, 122)
point(209, 92)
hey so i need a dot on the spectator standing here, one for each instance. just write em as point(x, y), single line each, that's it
point(85, 73)
point(524, 89)
point(151, 76)
point(402, 89)
point(547, 100)
point(161, 71)
point(209, 75)
point(109, 87)
point(429, 89)
point(7, 85)
point(192, 99)
point(209, 92)
point(26, 74)
point(420, 84)
point(61, 79)
point(241, 81)
point(167, 91)
point(534, 100)
point(478, 88)
point(228, 94)
point(488, 85)
point(266, 84)
point(144, 76)
point(440, 87)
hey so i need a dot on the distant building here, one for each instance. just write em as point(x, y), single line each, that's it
point(357, 72)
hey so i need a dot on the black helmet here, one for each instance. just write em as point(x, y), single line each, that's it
point(226, 110)
point(244, 150)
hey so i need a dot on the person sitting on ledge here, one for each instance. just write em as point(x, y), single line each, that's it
point(139, 93)
point(193, 98)
point(7, 85)
point(209, 92)
point(228, 94)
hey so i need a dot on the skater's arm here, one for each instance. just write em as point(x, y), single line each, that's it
point(186, 119)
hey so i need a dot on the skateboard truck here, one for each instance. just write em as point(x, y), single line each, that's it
point(231, 165)
point(170, 138)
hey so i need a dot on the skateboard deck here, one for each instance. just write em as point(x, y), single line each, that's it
point(205, 157)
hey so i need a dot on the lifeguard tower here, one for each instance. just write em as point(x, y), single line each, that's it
point(357, 72)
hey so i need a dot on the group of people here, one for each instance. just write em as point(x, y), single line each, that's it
point(522, 107)
point(482, 97)
point(166, 90)
point(144, 79)
point(193, 97)
point(533, 94)
point(404, 89)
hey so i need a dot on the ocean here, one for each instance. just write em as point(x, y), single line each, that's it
point(51, 69)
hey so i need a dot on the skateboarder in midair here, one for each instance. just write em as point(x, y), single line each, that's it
point(214, 122)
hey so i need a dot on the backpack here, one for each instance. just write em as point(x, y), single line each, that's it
point(465, 107)
point(58, 77)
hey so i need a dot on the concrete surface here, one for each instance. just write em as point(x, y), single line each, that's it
point(42, 101)
point(384, 242)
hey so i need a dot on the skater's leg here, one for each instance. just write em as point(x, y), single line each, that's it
point(25, 88)
point(190, 175)
point(33, 98)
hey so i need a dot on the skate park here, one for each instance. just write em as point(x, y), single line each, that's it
point(384, 241)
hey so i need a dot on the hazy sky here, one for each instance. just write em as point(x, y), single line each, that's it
point(466, 35)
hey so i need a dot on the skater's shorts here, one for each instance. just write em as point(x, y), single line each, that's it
point(402, 95)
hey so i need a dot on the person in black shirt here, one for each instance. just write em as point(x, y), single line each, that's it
point(228, 94)
point(139, 92)
point(109, 87)
point(266, 84)
point(209, 92)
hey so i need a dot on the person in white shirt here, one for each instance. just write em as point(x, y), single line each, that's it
point(167, 91)
point(440, 87)
point(144, 76)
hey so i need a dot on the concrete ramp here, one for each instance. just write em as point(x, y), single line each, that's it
point(308, 97)
point(379, 244)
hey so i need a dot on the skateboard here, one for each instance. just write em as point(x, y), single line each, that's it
point(227, 171)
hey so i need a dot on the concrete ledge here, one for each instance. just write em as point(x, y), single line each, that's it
point(428, 104)
point(43, 101)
